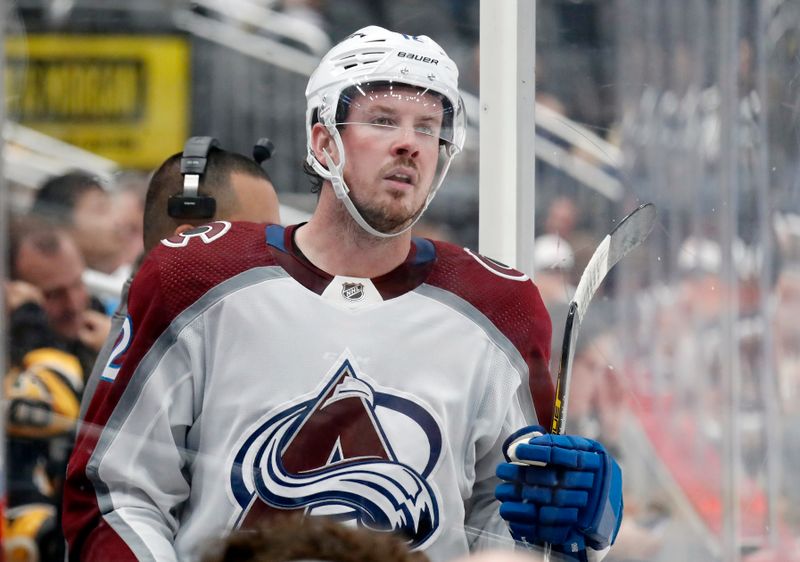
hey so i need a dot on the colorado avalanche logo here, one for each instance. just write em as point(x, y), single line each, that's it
point(331, 456)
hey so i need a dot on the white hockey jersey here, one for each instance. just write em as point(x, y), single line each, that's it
point(246, 383)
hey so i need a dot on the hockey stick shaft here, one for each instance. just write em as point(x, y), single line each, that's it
point(627, 235)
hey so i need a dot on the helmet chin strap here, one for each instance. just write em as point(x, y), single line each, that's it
point(335, 174)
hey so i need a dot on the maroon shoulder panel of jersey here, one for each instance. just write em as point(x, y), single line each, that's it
point(194, 261)
point(511, 301)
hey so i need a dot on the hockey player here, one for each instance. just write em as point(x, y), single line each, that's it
point(339, 367)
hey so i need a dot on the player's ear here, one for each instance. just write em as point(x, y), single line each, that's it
point(321, 140)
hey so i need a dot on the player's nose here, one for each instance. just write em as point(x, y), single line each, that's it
point(405, 142)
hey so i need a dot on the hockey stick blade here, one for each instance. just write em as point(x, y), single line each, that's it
point(627, 235)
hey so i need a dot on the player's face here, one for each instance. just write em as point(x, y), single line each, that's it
point(391, 142)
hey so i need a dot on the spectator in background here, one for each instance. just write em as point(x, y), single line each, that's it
point(78, 203)
point(562, 220)
point(562, 217)
point(597, 393)
point(700, 265)
point(42, 393)
point(553, 265)
point(692, 331)
point(128, 207)
point(787, 340)
point(53, 306)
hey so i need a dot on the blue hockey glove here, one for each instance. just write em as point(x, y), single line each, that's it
point(561, 489)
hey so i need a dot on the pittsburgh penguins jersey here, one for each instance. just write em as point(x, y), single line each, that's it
point(247, 383)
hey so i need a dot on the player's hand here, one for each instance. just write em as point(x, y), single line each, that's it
point(18, 293)
point(95, 327)
point(561, 489)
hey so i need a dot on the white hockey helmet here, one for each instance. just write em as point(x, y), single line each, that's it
point(376, 57)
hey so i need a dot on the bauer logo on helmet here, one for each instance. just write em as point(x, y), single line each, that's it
point(414, 56)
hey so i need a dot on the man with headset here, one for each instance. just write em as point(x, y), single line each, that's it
point(234, 188)
point(340, 367)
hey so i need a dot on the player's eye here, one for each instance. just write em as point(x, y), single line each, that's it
point(383, 121)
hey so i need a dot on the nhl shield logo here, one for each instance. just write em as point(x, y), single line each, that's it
point(353, 291)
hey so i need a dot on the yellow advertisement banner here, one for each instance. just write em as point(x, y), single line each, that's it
point(125, 97)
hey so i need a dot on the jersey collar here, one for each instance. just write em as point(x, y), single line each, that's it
point(404, 278)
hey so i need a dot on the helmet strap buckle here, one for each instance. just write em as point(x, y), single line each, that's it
point(336, 177)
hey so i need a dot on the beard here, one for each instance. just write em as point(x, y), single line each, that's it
point(386, 219)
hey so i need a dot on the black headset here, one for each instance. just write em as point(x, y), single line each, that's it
point(190, 204)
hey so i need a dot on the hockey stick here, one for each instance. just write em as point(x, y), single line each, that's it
point(627, 235)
